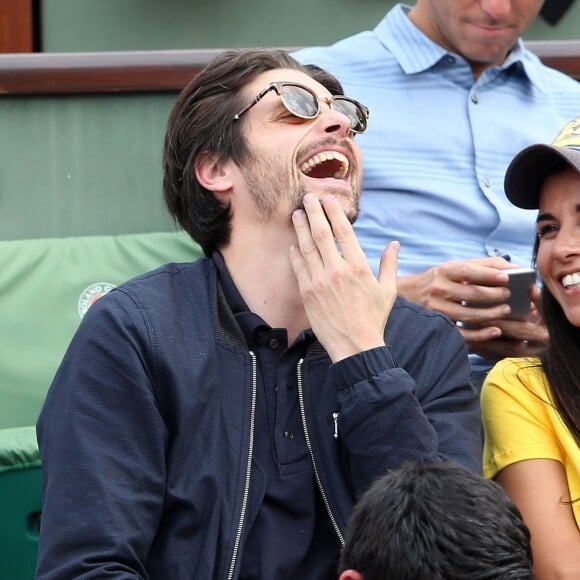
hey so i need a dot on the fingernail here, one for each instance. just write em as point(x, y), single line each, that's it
point(299, 215)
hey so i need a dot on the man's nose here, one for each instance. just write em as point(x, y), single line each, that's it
point(334, 121)
point(497, 9)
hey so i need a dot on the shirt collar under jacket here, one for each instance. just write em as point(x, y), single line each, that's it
point(251, 324)
point(233, 296)
point(416, 52)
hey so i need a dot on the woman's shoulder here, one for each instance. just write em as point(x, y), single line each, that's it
point(520, 368)
point(517, 378)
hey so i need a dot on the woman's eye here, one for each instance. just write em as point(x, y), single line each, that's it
point(548, 231)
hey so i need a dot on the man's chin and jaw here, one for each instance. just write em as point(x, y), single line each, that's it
point(345, 188)
point(484, 47)
point(282, 192)
point(484, 37)
point(346, 191)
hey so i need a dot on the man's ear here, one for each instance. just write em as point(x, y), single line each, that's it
point(351, 575)
point(213, 174)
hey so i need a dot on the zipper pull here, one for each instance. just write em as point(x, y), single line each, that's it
point(335, 417)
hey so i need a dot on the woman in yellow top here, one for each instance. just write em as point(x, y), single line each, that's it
point(531, 406)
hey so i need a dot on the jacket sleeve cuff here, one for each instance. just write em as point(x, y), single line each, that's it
point(362, 366)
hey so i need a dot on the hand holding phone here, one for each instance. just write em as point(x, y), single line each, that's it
point(520, 284)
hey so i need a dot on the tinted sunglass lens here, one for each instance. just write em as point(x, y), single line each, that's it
point(358, 122)
point(299, 102)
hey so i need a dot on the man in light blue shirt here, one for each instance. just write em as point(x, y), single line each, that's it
point(453, 95)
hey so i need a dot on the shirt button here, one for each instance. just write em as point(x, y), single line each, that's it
point(450, 59)
point(273, 343)
point(486, 182)
point(288, 435)
point(474, 99)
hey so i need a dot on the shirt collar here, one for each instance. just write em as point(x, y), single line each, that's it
point(528, 62)
point(415, 52)
point(250, 323)
point(233, 296)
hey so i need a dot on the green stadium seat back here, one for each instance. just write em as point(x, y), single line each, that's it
point(45, 287)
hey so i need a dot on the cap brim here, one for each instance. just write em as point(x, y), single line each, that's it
point(530, 167)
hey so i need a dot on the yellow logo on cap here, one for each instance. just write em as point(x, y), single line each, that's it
point(569, 136)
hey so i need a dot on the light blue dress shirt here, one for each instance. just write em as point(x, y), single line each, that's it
point(438, 143)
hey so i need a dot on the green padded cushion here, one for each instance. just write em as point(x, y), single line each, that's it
point(20, 502)
point(18, 449)
point(43, 282)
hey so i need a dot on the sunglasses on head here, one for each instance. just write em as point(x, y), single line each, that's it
point(304, 103)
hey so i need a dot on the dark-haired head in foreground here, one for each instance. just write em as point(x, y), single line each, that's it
point(435, 522)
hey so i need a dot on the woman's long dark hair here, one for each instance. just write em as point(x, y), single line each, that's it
point(561, 360)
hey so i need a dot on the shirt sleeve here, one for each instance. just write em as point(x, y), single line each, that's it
point(515, 408)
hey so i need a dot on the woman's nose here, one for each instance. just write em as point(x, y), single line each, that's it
point(567, 243)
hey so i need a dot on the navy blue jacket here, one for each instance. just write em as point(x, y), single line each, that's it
point(146, 433)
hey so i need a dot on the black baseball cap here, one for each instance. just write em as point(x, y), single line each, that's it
point(530, 167)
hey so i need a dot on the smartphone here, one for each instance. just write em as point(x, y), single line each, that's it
point(520, 284)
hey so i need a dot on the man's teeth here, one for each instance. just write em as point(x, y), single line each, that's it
point(571, 280)
point(319, 158)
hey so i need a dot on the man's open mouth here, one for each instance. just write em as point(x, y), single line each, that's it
point(326, 164)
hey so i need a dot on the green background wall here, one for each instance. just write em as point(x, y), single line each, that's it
point(93, 25)
point(82, 165)
point(91, 164)
point(68, 164)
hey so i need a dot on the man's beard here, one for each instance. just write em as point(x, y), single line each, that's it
point(269, 188)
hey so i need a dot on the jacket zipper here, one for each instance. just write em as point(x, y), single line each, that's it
point(248, 472)
point(309, 445)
